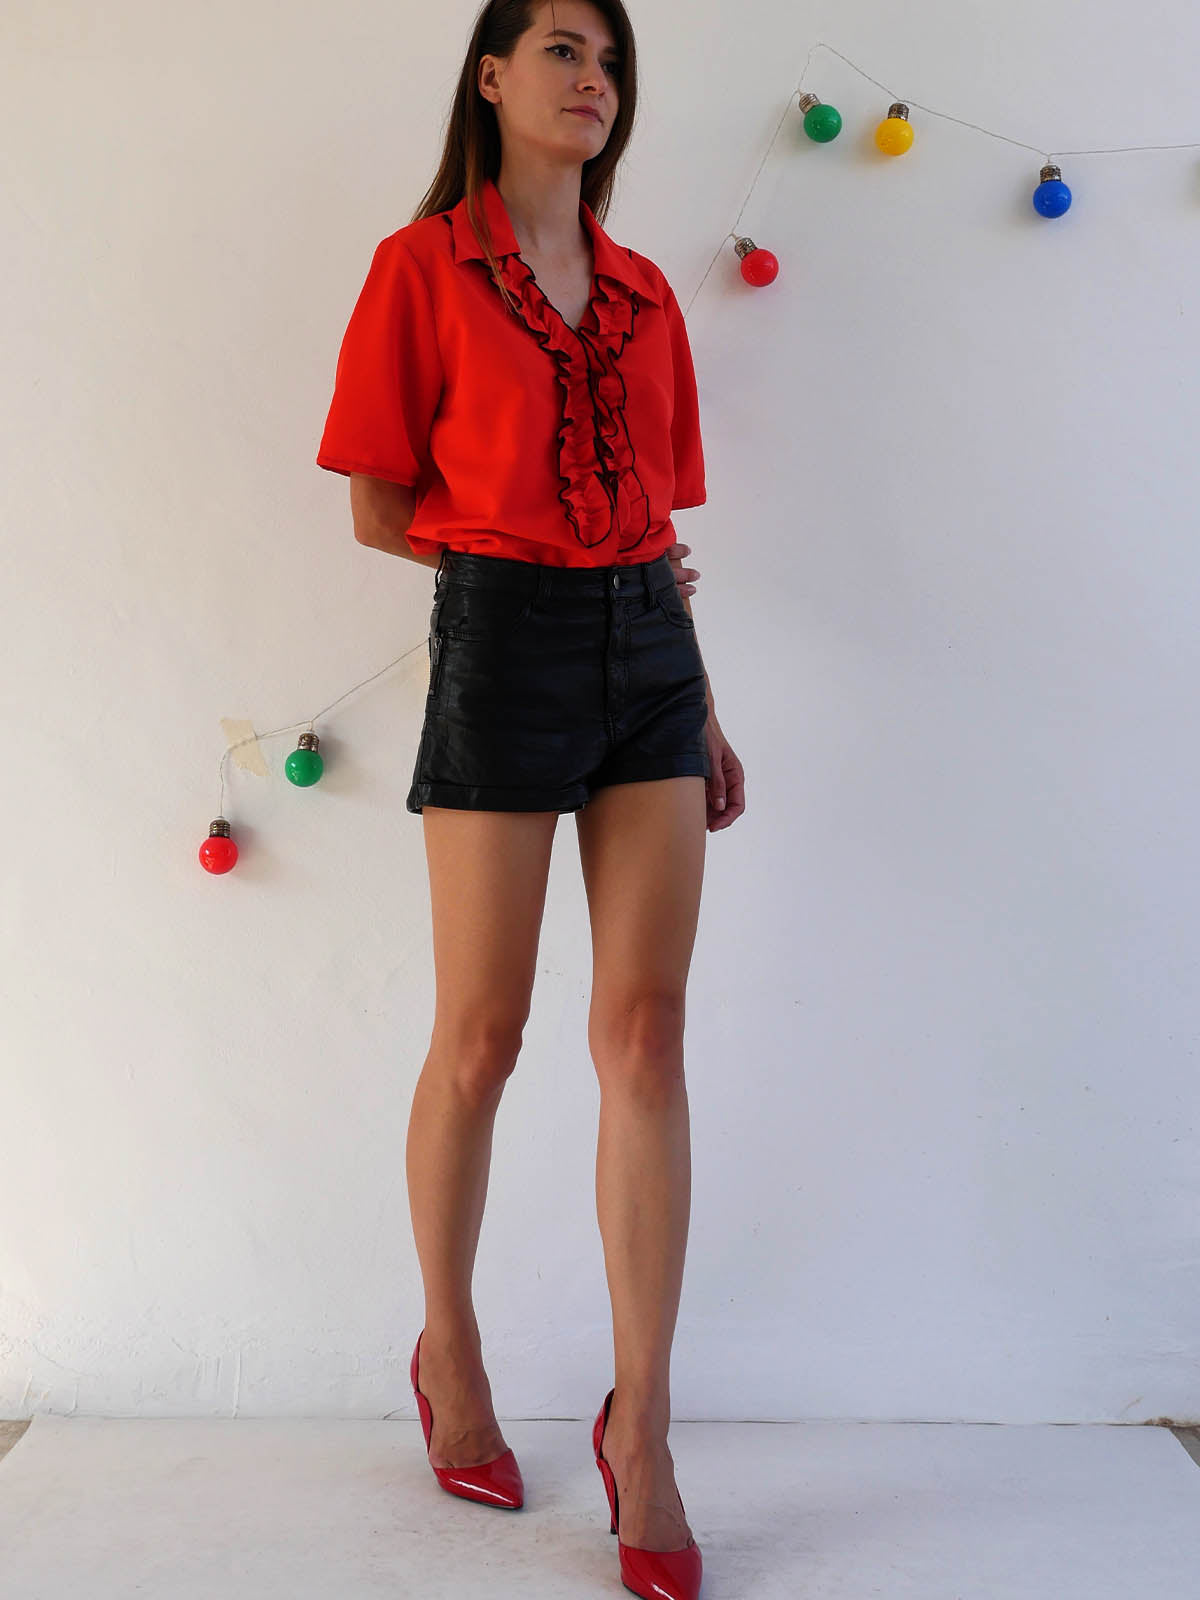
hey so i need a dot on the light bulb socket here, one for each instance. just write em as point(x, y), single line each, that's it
point(1051, 173)
point(743, 246)
point(308, 741)
point(898, 109)
point(808, 101)
point(218, 829)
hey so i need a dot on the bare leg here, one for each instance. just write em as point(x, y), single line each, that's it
point(448, 1158)
point(487, 875)
point(643, 1198)
point(642, 849)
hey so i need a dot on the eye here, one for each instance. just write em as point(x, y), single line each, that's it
point(615, 65)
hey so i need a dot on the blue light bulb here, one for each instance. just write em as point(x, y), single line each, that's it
point(1051, 197)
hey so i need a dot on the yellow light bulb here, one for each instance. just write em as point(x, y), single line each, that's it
point(894, 135)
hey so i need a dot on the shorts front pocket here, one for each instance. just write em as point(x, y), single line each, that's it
point(670, 603)
point(475, 611)
point(436, 657)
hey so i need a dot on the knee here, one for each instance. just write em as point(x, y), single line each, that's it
point(477, 1056)
point(637, 1045)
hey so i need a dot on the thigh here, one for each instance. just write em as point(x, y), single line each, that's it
point(642, 849)
point(487, 882)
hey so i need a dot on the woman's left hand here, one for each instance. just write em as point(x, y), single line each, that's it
point(685, 577)
point(725, 788)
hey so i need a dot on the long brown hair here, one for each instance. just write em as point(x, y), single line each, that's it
point(472, 149)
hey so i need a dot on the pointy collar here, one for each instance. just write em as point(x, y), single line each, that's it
point(609, 258)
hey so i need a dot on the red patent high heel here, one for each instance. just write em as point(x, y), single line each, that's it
point(653, 1574)
point(494, 1483)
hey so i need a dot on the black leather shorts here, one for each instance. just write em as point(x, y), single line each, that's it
point(546, 683)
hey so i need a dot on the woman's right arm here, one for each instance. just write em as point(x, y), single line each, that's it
point(382, 512)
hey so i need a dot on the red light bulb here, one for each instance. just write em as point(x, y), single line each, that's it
point(759, 267)
point(218, 853)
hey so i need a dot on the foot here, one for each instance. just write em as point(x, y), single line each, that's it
point(650, 1512)
point(465, 1431)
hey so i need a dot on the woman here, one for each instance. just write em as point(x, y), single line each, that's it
point(515, 404)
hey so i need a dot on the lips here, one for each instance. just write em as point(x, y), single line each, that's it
point(585, 111)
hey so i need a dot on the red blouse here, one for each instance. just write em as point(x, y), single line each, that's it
point(522, 437)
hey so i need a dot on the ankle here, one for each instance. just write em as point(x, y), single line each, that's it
point(641, 1434)
point(452, 1338)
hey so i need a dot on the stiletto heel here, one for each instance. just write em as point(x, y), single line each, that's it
point(653, 1574)
point(493, 1483)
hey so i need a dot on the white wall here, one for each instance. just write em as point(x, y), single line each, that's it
point(942, 1027)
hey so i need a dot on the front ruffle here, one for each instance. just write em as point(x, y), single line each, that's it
point(600, 492)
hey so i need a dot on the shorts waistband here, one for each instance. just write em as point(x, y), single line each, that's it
point(502, 572)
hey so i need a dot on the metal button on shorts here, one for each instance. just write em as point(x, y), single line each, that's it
point(547, 683)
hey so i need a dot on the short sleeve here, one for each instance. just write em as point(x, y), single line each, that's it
point(389, 374)
point(686, 444)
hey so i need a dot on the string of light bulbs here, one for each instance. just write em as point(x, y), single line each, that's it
point(894, 136)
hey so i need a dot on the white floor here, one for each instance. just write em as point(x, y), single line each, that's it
point(296, 1510)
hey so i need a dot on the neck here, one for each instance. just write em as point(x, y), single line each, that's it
point(543, 207)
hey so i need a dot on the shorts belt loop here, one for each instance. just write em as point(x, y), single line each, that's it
point(441, 563)
point(542, 587)
point(648, 582)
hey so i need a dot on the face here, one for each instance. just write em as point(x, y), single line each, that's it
point(549, 73)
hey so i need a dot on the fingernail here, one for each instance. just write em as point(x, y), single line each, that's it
point(721, 804)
